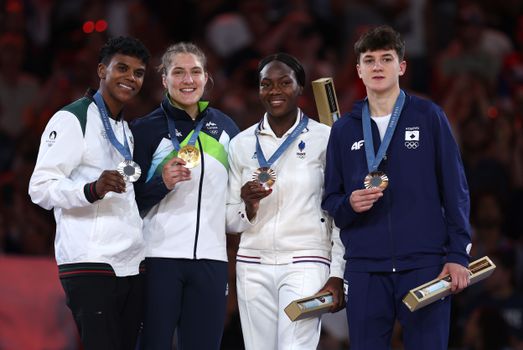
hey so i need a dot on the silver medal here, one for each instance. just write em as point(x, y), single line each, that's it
point(129, 170)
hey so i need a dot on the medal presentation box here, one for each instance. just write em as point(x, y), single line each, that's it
point(326, 101)
point(312, 306)
point(440, 287)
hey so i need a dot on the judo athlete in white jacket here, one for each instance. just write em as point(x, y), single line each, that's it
point(99, 244)
point(289, 248)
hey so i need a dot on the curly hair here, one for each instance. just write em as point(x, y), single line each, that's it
point(126, 46)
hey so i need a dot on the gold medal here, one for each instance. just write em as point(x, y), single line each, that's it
point(265, 176)
point(129, 170)
point(376, 179)
point(191, 155)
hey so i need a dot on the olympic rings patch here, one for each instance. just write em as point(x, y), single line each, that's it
point(411, 144)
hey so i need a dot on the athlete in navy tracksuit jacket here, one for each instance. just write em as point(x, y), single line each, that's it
point(413, 228)
point(422, 219)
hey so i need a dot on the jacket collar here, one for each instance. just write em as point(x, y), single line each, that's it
point(179, 114)
point(357, 108)
point(264, 128)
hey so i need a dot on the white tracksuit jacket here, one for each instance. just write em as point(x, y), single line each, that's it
point(106, 231)
point(290, 225)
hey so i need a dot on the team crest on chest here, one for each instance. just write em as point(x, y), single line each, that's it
point(51, 138)
point(212, 128)
point(412, 137)
point(301, 147)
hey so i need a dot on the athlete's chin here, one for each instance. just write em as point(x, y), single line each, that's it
point(126, 98)
point(379, 88)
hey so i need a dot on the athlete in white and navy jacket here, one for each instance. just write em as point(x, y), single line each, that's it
point(184, 209)
point(288, 248)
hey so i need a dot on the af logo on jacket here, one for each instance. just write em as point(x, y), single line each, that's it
point(357, 145)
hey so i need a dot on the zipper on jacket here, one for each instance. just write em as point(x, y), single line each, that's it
point(393, 255)
point(199, 200)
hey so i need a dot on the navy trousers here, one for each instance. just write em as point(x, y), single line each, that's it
point(374, 302)
point(189, 296)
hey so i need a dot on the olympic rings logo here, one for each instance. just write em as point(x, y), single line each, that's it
point(411, 144)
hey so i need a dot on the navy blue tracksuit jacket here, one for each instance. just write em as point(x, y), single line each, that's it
point(422, 218)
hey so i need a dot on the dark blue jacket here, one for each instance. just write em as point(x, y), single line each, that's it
point(422, 218)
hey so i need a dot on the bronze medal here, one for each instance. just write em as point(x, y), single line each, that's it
point(265, 176)
point(376, 179)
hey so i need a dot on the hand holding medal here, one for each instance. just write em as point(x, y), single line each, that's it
point(363, 200)
point(251, 193)
point(109, 181)
point(174, 171)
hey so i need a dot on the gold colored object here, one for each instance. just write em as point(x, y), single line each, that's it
point(191, 156)
point(326, 101)
point(376, 179)
point(264, 176)
point(310, 306)
point(440, 287)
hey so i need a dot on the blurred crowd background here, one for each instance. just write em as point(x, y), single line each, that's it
point(467, 56)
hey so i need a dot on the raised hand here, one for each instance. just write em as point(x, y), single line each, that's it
point(109, 181)
point(251, 193)
point(174, 171)
point(363, 200)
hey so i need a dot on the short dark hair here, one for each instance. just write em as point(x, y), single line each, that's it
point(380, 38)
point(289, 60)
point(126, 46)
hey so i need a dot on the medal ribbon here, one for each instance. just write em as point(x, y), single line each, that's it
point(373, 161)
point(172, 131)
point(292, 136)
point(124, 149)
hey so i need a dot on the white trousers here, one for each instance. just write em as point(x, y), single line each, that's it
point(263, 293)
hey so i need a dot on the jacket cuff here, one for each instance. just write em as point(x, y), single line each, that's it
point(337, 270)
point(344, 214)
point(163, 187)
point(462, 259)
point(90, 192)
point(242, 213)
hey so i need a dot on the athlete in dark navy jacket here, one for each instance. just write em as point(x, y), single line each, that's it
point(415, 229)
